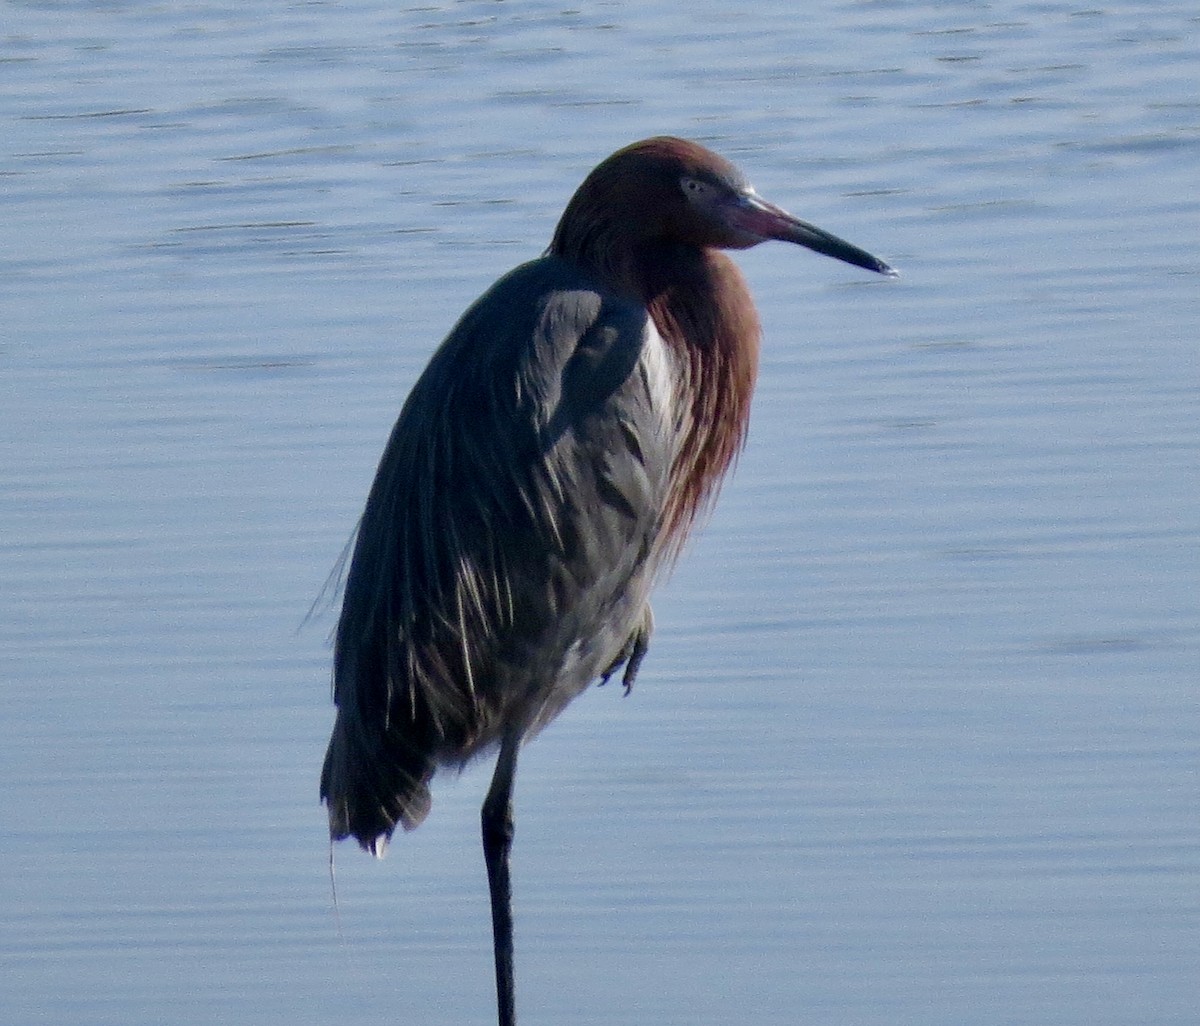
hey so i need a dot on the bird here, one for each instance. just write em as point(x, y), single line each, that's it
point(542, 475)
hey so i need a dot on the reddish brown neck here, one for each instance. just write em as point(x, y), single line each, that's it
point(702, 308)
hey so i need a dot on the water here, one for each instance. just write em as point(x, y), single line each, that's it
point(918, 737)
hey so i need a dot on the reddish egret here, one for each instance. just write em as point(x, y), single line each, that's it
point(547, 465)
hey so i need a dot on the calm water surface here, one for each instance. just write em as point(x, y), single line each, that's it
point(918, 740)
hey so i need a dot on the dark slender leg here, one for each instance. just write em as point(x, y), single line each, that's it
point(497, 820)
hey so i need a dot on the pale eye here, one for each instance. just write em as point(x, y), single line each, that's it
point(694, 189)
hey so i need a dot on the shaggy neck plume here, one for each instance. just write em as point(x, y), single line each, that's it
point(702, 308)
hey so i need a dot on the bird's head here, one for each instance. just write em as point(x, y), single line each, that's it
point(674, 191)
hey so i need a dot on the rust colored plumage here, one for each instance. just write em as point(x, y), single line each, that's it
point(546, 466)
point(716, 377)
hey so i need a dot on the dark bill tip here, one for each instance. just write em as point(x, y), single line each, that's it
point(820, 241)
point(768, 221)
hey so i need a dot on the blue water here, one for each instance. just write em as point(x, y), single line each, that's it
point(918, 740)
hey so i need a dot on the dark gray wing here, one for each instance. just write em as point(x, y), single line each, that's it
point(508, 544)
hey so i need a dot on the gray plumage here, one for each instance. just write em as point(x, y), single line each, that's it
point(509, 542)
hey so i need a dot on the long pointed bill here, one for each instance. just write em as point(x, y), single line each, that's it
point(755, 216)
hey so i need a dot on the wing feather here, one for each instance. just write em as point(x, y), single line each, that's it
point(508, 545)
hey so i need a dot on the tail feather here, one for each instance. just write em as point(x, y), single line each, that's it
point(371, 785)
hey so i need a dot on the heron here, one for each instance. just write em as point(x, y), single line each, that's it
point(542, 475)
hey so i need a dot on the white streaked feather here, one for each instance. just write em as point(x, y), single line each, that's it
point(657, 364)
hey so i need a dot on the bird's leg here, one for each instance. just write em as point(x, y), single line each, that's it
point(497, 818)
point(632, 652)
point(641, 645)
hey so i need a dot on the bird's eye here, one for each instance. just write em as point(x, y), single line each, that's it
point(693, 188)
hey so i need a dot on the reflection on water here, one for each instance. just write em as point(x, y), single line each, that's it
point(917, 738)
